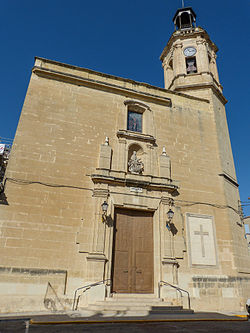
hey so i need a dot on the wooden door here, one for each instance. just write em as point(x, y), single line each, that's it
point(133, 252)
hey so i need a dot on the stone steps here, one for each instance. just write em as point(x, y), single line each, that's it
point(123, 303)
point(109, 306)
point(134, 306)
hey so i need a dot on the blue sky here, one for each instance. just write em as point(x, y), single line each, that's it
point(124, 38)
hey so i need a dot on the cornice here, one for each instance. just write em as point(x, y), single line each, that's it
point(81, 81)
point(229, 178)
point(136, 136)
point(202, 86)
point(146, 182)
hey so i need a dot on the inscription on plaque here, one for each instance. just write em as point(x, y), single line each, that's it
point(136, 189)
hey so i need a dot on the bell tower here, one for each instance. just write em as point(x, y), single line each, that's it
point(189, 58)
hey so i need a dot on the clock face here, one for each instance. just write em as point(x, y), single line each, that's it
point(189, 51)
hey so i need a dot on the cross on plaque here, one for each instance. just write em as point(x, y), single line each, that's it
point(202, 234)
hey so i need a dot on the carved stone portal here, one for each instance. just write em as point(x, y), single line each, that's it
point(135, 165)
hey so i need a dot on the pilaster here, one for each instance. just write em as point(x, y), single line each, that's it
point(96, 258)
point(168, 75)
point(213, 66)
point(202, 55)
point(165, 165)
point(178, 63)
point(105, 155)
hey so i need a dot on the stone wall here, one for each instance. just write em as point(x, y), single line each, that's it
point(53, 220)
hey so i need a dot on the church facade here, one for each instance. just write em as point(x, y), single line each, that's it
point(124, 185)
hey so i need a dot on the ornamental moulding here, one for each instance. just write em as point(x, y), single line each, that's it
point(133, 180)
point(202, 86)
point(135, 136)
point(137, 104)
point(98, 84)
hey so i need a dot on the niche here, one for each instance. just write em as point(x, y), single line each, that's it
point(135, 164)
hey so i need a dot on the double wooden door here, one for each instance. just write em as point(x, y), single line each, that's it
point(132, 268)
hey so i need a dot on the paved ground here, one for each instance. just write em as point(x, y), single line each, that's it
point(197, 322)
point(169, 327)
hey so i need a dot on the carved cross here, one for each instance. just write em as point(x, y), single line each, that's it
point(202, 234)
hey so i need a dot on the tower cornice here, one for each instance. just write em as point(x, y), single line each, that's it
point(181, 35)
point(212, 86)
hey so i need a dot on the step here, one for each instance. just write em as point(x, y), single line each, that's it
point(129, 301)
point(170, 310)
point(167, 307)
point(137, 296)
point(114, 313)
point(118, 307)
point(116, 310)
point(184, 311)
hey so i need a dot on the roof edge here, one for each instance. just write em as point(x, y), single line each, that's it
point(120, 78)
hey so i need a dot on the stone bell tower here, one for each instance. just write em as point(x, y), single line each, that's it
point(189, 63)
point(189, 59)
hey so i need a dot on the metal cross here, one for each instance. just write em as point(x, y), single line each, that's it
point(182, 3)
point(202, 234)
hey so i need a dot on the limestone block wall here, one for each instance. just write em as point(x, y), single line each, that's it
point(51, 220)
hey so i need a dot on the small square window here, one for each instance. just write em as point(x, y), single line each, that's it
point(191, 65)
point(134, 121)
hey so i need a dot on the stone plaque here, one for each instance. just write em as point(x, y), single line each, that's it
point(136, 189)
point(202, 249)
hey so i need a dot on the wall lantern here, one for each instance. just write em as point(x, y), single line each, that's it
point(170, 215)
point(104, 210)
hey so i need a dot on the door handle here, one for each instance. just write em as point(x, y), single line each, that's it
point(126, 271)
point(138, 272)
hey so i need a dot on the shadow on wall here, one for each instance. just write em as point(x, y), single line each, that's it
point(51, 300)
point(109, 221)
point(3, 199)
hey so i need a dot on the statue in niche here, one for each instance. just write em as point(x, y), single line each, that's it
point(135, 165)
